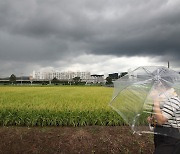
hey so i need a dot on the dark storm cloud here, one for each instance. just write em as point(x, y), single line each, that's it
point(41, 31)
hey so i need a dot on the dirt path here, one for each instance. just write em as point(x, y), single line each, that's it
point(67, 140)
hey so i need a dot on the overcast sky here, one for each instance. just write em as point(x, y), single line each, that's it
point(102, 36)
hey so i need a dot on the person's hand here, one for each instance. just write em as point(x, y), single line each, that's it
point(150, 119)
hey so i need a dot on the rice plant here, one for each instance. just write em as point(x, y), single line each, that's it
point(57, 106)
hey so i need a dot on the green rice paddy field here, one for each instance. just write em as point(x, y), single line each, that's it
point(57, 106)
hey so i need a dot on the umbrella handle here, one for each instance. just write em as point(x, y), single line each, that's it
point(151, 127)
point(133, 126)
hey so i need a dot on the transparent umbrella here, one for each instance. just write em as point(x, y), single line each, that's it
point(148, 100)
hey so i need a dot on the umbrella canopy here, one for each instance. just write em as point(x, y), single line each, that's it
point(148, 100)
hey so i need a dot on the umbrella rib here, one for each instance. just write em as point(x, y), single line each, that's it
point(165, 81)
point(148, 71)
point(143, 81)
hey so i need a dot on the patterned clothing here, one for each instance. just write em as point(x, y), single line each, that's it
point(171, 110)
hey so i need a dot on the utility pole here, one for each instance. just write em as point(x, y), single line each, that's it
point(21, 77)
point(168, 64)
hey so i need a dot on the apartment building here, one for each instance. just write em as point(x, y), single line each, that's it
point(49, 75)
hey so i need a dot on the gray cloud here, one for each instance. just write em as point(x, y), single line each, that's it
point(43, 32)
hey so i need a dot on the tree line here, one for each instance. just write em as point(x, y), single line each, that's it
point(74, 81)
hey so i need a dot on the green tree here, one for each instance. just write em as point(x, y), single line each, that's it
point(55, 80)
point(77, 80)
point(109, 80)
point(12, 79)
point(123, 74)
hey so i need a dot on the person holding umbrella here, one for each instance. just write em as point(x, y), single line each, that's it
point(153, 90)
point(166, 120)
